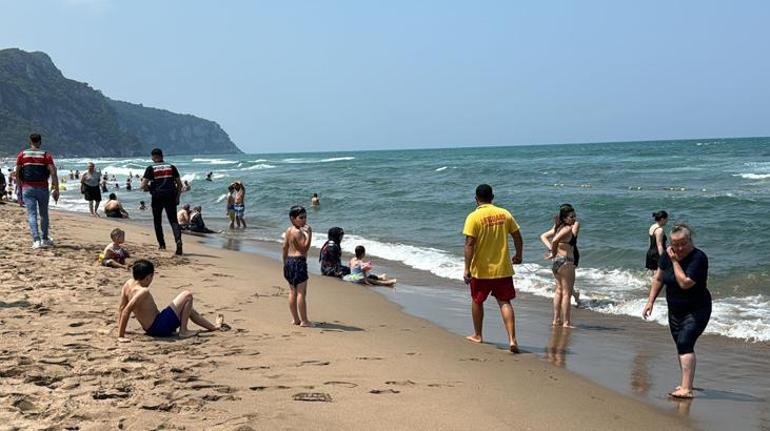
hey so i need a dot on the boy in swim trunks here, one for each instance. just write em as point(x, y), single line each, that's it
point(296, 243)
point(240, 203)
point(114, 255)
point(136, 298)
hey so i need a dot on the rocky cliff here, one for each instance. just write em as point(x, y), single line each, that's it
point(77, 120)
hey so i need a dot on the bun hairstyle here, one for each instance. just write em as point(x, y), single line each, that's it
point(659, 215)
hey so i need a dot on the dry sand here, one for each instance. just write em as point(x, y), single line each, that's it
point(366, 366)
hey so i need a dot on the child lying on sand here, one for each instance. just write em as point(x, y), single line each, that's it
point(114, 255)
point(136, 298)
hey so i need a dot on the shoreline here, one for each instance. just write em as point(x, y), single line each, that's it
point(630, 356)
point(375, 361)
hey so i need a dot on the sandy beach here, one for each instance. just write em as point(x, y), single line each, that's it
point(366, 365)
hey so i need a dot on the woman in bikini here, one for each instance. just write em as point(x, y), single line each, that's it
point(561, 242)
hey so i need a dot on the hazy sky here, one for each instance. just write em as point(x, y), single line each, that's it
point(327, 75)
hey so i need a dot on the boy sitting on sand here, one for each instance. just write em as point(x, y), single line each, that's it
point(136, 298)
point(114, 255)
point(296, 243)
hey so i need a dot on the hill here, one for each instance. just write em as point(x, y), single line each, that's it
point(77, 120)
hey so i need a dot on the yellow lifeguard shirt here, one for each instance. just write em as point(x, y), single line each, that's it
point(490, 226)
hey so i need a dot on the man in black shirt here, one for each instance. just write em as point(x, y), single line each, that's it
point(162, 180)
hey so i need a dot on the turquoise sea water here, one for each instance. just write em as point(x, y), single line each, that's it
point(409, 206)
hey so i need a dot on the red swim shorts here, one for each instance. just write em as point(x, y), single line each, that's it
point(500, 288)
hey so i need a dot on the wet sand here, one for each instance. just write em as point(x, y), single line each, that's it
point(630, 356)
point(367, 364)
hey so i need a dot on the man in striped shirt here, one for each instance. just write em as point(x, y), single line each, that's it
point(33, 169)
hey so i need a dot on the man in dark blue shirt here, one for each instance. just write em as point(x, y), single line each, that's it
point(162, 180)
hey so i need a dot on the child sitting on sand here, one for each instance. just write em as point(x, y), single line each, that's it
point(359, 271)
point(296, 243)
point(114, 255)
point(136, 298)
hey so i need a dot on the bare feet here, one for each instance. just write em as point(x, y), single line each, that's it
point(295, 322)
point(556, 323)
point(307, 324)
point(474, 338)
point(220, 323)
point(187, 334)
point(567, 325)
point(514, 348)
point(681, 393)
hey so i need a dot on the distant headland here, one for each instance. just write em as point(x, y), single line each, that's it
point(77, 120)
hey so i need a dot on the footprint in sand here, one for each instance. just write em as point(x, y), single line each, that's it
point(117, 392)
point(440, 385)
point(313, 397)
point(263, 388)
point(384, 391)
point(23, 403)
point(313, 362)
point(400, 383)
point(343, 384)
point(473, 360)
point(368, 358)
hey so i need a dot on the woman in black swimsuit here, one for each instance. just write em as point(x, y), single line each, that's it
point(561, 242)
point(683, 269)
point(657, 240)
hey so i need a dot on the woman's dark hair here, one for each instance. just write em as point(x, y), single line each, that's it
point(360, 251)
point(113, 196)
point(561, 219)
point(660, 215)
point(296, 211)
point(142, 268)
point(335, 234)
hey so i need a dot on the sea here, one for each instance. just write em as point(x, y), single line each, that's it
point(409, 206)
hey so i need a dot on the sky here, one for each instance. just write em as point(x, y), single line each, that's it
point(343, 75)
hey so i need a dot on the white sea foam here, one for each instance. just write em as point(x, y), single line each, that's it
point(189, 177)
point(443, 168)
point(751, 176)
point(121, 172)
point(257, 167)
point(331, 159)
point(609, 291)
point(216, 161)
